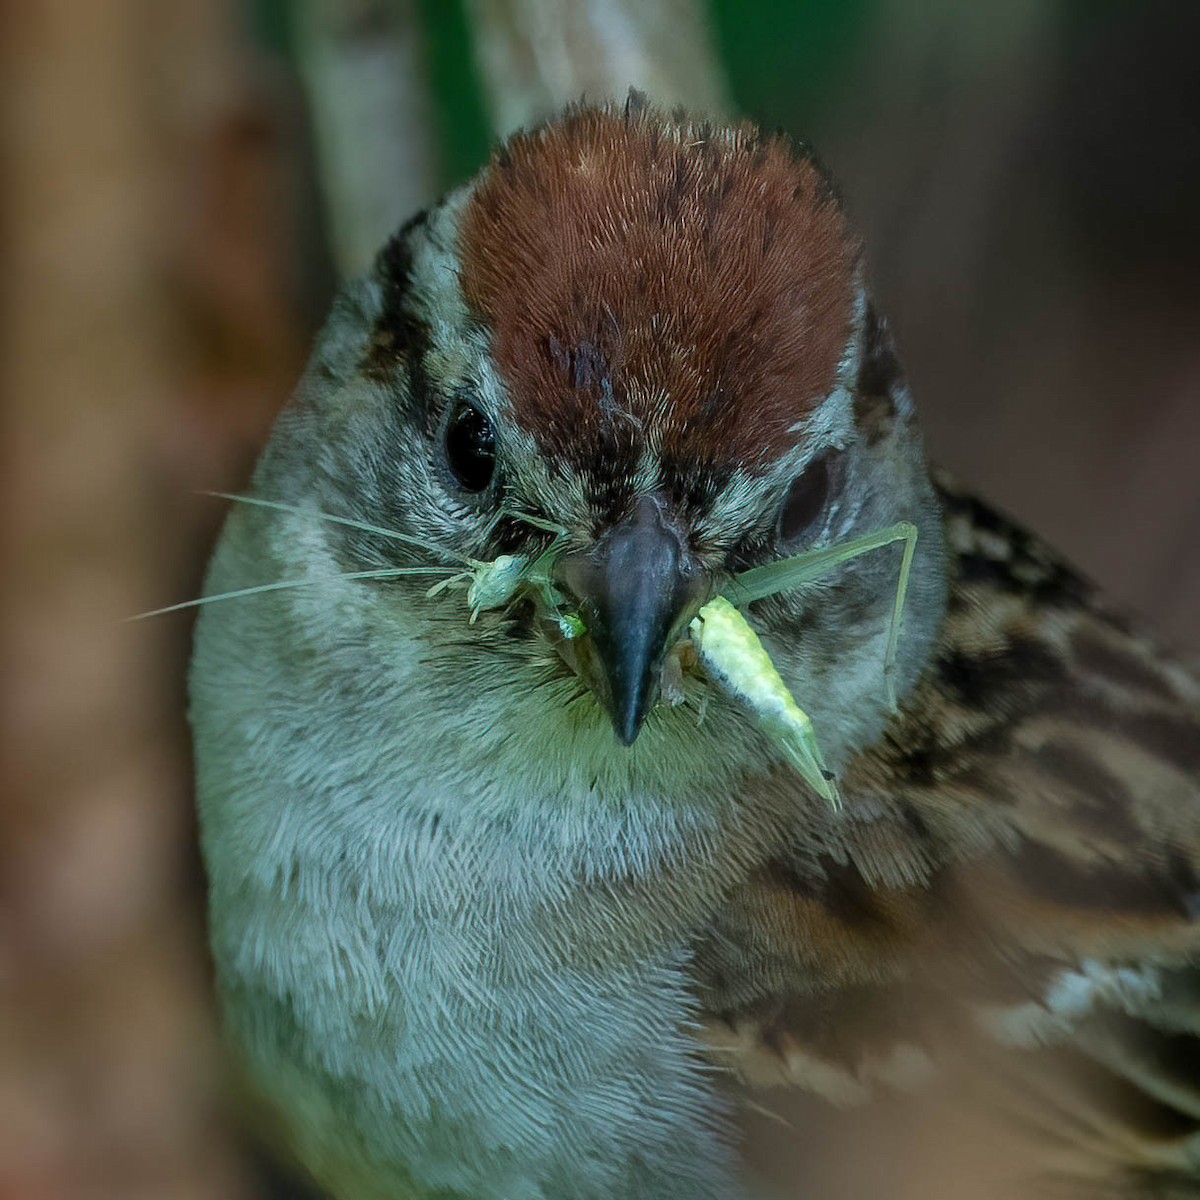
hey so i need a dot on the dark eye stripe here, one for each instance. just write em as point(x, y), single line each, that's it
point(399, 335)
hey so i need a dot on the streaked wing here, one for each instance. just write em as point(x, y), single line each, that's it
point(995, 947)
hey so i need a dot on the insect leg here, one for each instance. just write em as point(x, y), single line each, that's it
point(772, 578)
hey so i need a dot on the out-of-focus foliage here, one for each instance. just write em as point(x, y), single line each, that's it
point(789, 61)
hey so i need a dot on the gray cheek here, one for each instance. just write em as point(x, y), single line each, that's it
point(826, 620)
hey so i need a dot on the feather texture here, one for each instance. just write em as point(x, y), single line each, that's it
point(475, 947)
point(1019, 867)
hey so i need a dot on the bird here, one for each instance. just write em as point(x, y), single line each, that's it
point(511, 899)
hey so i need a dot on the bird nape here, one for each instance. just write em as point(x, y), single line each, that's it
point(773, 819)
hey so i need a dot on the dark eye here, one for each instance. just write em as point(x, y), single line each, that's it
point(807, 501)
point(471, 448)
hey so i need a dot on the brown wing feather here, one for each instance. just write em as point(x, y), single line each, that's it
point(1007, 911)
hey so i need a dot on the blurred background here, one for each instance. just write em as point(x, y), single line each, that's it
point(184, 181)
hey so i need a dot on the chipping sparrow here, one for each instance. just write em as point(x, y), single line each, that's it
point(508, 900)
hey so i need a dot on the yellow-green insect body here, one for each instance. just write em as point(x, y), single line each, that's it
point(736, 660)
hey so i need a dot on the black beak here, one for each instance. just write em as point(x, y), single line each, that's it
point(638, 588)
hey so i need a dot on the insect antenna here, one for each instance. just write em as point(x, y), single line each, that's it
point(284, 584)
point(350, 522)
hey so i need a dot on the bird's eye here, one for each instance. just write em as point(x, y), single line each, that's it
point(471, 448)
point(807, 501)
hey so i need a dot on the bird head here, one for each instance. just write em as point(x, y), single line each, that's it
point(636, 351)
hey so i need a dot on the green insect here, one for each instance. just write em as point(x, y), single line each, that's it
point(734, 659)
point(727, 648)
point(490, 584)
point(497, 583)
